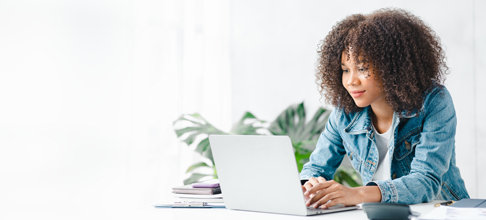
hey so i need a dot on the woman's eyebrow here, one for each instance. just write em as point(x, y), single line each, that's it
point(344, 65)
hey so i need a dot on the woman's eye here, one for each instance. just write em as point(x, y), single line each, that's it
point(345, 71)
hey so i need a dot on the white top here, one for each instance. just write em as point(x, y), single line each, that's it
point(382, 143)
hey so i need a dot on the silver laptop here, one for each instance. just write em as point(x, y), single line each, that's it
point(259, 173)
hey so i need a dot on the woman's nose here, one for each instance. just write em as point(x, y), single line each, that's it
point(352, 79)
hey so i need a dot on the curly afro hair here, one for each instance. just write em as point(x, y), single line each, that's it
point(405, 54)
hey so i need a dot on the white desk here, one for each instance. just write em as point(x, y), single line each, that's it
point(216, 214)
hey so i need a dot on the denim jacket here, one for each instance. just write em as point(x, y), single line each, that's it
point(421, 152)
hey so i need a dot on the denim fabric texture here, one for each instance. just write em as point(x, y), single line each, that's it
point(421, 151)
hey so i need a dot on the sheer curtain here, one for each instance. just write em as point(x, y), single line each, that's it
point(191, 73)
point(89, 91)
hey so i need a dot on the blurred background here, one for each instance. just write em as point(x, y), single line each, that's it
point(89, 90)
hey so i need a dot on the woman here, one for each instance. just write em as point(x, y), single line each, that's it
point(394, 119)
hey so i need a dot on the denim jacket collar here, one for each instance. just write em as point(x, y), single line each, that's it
point(361, 122)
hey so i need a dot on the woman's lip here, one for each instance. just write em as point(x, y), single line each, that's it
point(357, 94)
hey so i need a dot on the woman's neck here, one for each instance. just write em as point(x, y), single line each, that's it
point(382, 116)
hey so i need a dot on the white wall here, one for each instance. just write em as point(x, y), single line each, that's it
point(89, 90)
point(65, 119)
point(480, 100)
point(274, 53)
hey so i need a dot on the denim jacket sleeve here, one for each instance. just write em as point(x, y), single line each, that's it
point(432, 154)
point(328, 155)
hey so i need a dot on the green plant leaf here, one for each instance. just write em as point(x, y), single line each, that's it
point(185, 118)
point(197, 126)
point(301, 116)
point(292, 122)
point(215, 173)
point(280, 125)
point(301, 159)
point(203, 146)
point(209, 154)
point(197, 165)
point(201, 126)
point(182, 131)
point(305, 147)
point(337, 178)
point(345, 177)
point(316, 125)
point(190, 139)
point(247, 115)
point(247, 125)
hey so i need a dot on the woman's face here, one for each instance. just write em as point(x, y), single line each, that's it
point(360, 82)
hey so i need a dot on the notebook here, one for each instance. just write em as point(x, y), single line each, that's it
point(189, 189)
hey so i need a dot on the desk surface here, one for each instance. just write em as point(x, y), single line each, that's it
point(214, 214)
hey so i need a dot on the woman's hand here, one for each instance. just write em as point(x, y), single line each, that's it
point(309, 184)
point(326, 194)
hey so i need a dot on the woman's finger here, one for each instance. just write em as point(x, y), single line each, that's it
point(320, 186)
point(326, 198)
point(332, 195)
point(313, 181)
point(306, 198)
point(316, 197)
point(332, 203)
point(321, 179)
point(307, 185)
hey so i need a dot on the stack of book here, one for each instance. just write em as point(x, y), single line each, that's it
point(208, 193)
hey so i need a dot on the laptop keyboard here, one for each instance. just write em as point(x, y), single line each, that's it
point(338, 206)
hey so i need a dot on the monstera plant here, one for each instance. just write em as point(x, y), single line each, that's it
point(194, 130)
point(304, 136)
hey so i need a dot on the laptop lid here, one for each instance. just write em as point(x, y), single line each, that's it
point(258, 173)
